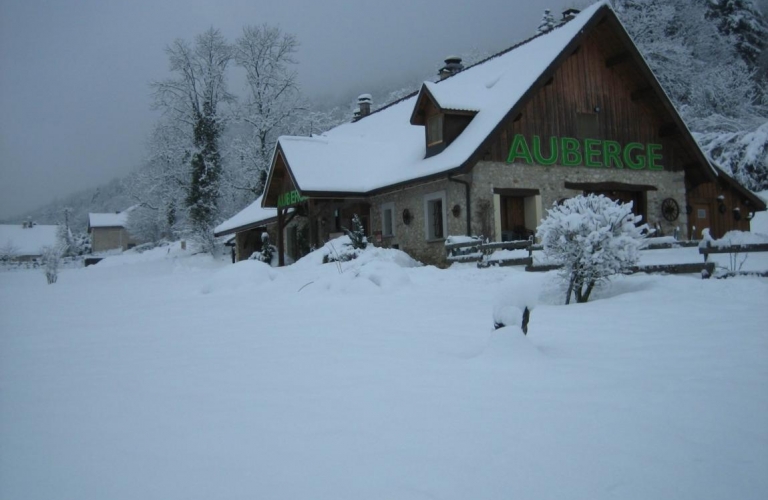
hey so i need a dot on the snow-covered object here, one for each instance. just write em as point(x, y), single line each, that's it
point(547, 22)
point(118, 219)
point(735, 238)
point(27, 241)
point(594, 237)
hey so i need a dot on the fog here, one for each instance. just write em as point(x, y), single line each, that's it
point(75, 105)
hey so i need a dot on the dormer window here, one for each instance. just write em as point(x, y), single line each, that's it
point(435, 129)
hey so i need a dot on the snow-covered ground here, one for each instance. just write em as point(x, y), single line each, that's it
point(163, 375)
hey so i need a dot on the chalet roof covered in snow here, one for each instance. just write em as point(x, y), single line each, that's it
point(251, 216)
point(384, 149)
point(117, 219)
point(27, 240)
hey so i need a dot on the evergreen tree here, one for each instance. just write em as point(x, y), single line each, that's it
point(203, 194)
point(357, 234)
point(742, 20)
point(547, 22)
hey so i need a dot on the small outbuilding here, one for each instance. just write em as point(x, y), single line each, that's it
point(108, 231)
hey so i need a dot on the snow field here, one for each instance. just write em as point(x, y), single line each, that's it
point(165, 376)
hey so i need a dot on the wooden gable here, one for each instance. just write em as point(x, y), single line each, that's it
point(453, 122)
point(600, 88)
point(280, 183)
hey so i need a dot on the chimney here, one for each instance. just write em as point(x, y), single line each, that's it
point(569, 14)
point(452, 66)
point(363, 105)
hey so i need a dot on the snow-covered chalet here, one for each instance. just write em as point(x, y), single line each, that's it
point(486, 149)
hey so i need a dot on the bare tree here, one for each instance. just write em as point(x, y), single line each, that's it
point(273, 102)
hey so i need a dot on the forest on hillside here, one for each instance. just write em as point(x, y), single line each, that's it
point(208, 155)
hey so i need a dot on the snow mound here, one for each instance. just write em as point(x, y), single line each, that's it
point(243, 275)
point(737, 238)
point(370, 254)
point(510, 346)
point(169, 251)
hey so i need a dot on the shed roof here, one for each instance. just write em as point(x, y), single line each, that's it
point(117, 219)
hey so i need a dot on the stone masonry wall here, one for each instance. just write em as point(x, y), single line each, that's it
point(486, 176)
point(412, 238)
point(550, 181)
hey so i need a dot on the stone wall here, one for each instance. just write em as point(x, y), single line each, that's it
point(550, 181)
point(412, 238)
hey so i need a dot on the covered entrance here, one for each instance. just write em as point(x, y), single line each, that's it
point(617, 191)
point(518, 213)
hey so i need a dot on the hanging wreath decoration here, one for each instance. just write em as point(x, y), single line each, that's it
point(407, 217)
point(670, 210)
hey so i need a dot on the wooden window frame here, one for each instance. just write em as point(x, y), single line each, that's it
point(387, 207)
point(429, 200)
point(435, 127)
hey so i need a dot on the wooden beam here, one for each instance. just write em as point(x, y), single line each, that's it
point(608, 186)
point(280, 238)
point(549, 81)
point(619, 58)
point(642, 93)
point(668, 130)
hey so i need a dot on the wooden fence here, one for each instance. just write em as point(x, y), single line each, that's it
point(481, 253)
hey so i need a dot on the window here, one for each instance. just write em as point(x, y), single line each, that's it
point(587, 125)
point(434, 129)
point(435, 217)
point(388, 219)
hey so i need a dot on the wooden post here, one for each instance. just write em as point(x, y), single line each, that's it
point(280, 239)
point(312, 219)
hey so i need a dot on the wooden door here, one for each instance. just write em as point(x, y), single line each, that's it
point(512, 218)
point(700, 218)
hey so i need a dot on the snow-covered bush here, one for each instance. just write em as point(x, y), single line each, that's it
point(342, 251)
point(593, 237)
point(51, 260)
point(357, 234)
point(267, 252)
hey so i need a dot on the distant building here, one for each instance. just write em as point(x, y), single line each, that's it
point(108, 231)
point(25, 242)
point(488, 148)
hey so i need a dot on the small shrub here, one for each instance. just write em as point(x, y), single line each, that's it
point(51, 260)
point(594, 238)
point(357, 235)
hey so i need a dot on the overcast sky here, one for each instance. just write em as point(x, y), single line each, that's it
point(74, 97)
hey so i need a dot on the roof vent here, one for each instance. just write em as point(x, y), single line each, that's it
point(452, 66)
point(569, 14)
point(363, 106)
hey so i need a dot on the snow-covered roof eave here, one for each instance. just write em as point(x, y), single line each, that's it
point(391, 151)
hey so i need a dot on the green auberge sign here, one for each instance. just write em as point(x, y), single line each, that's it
point(593, 153)
point(290, 198)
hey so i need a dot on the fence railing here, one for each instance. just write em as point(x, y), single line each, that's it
point(482, 253)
